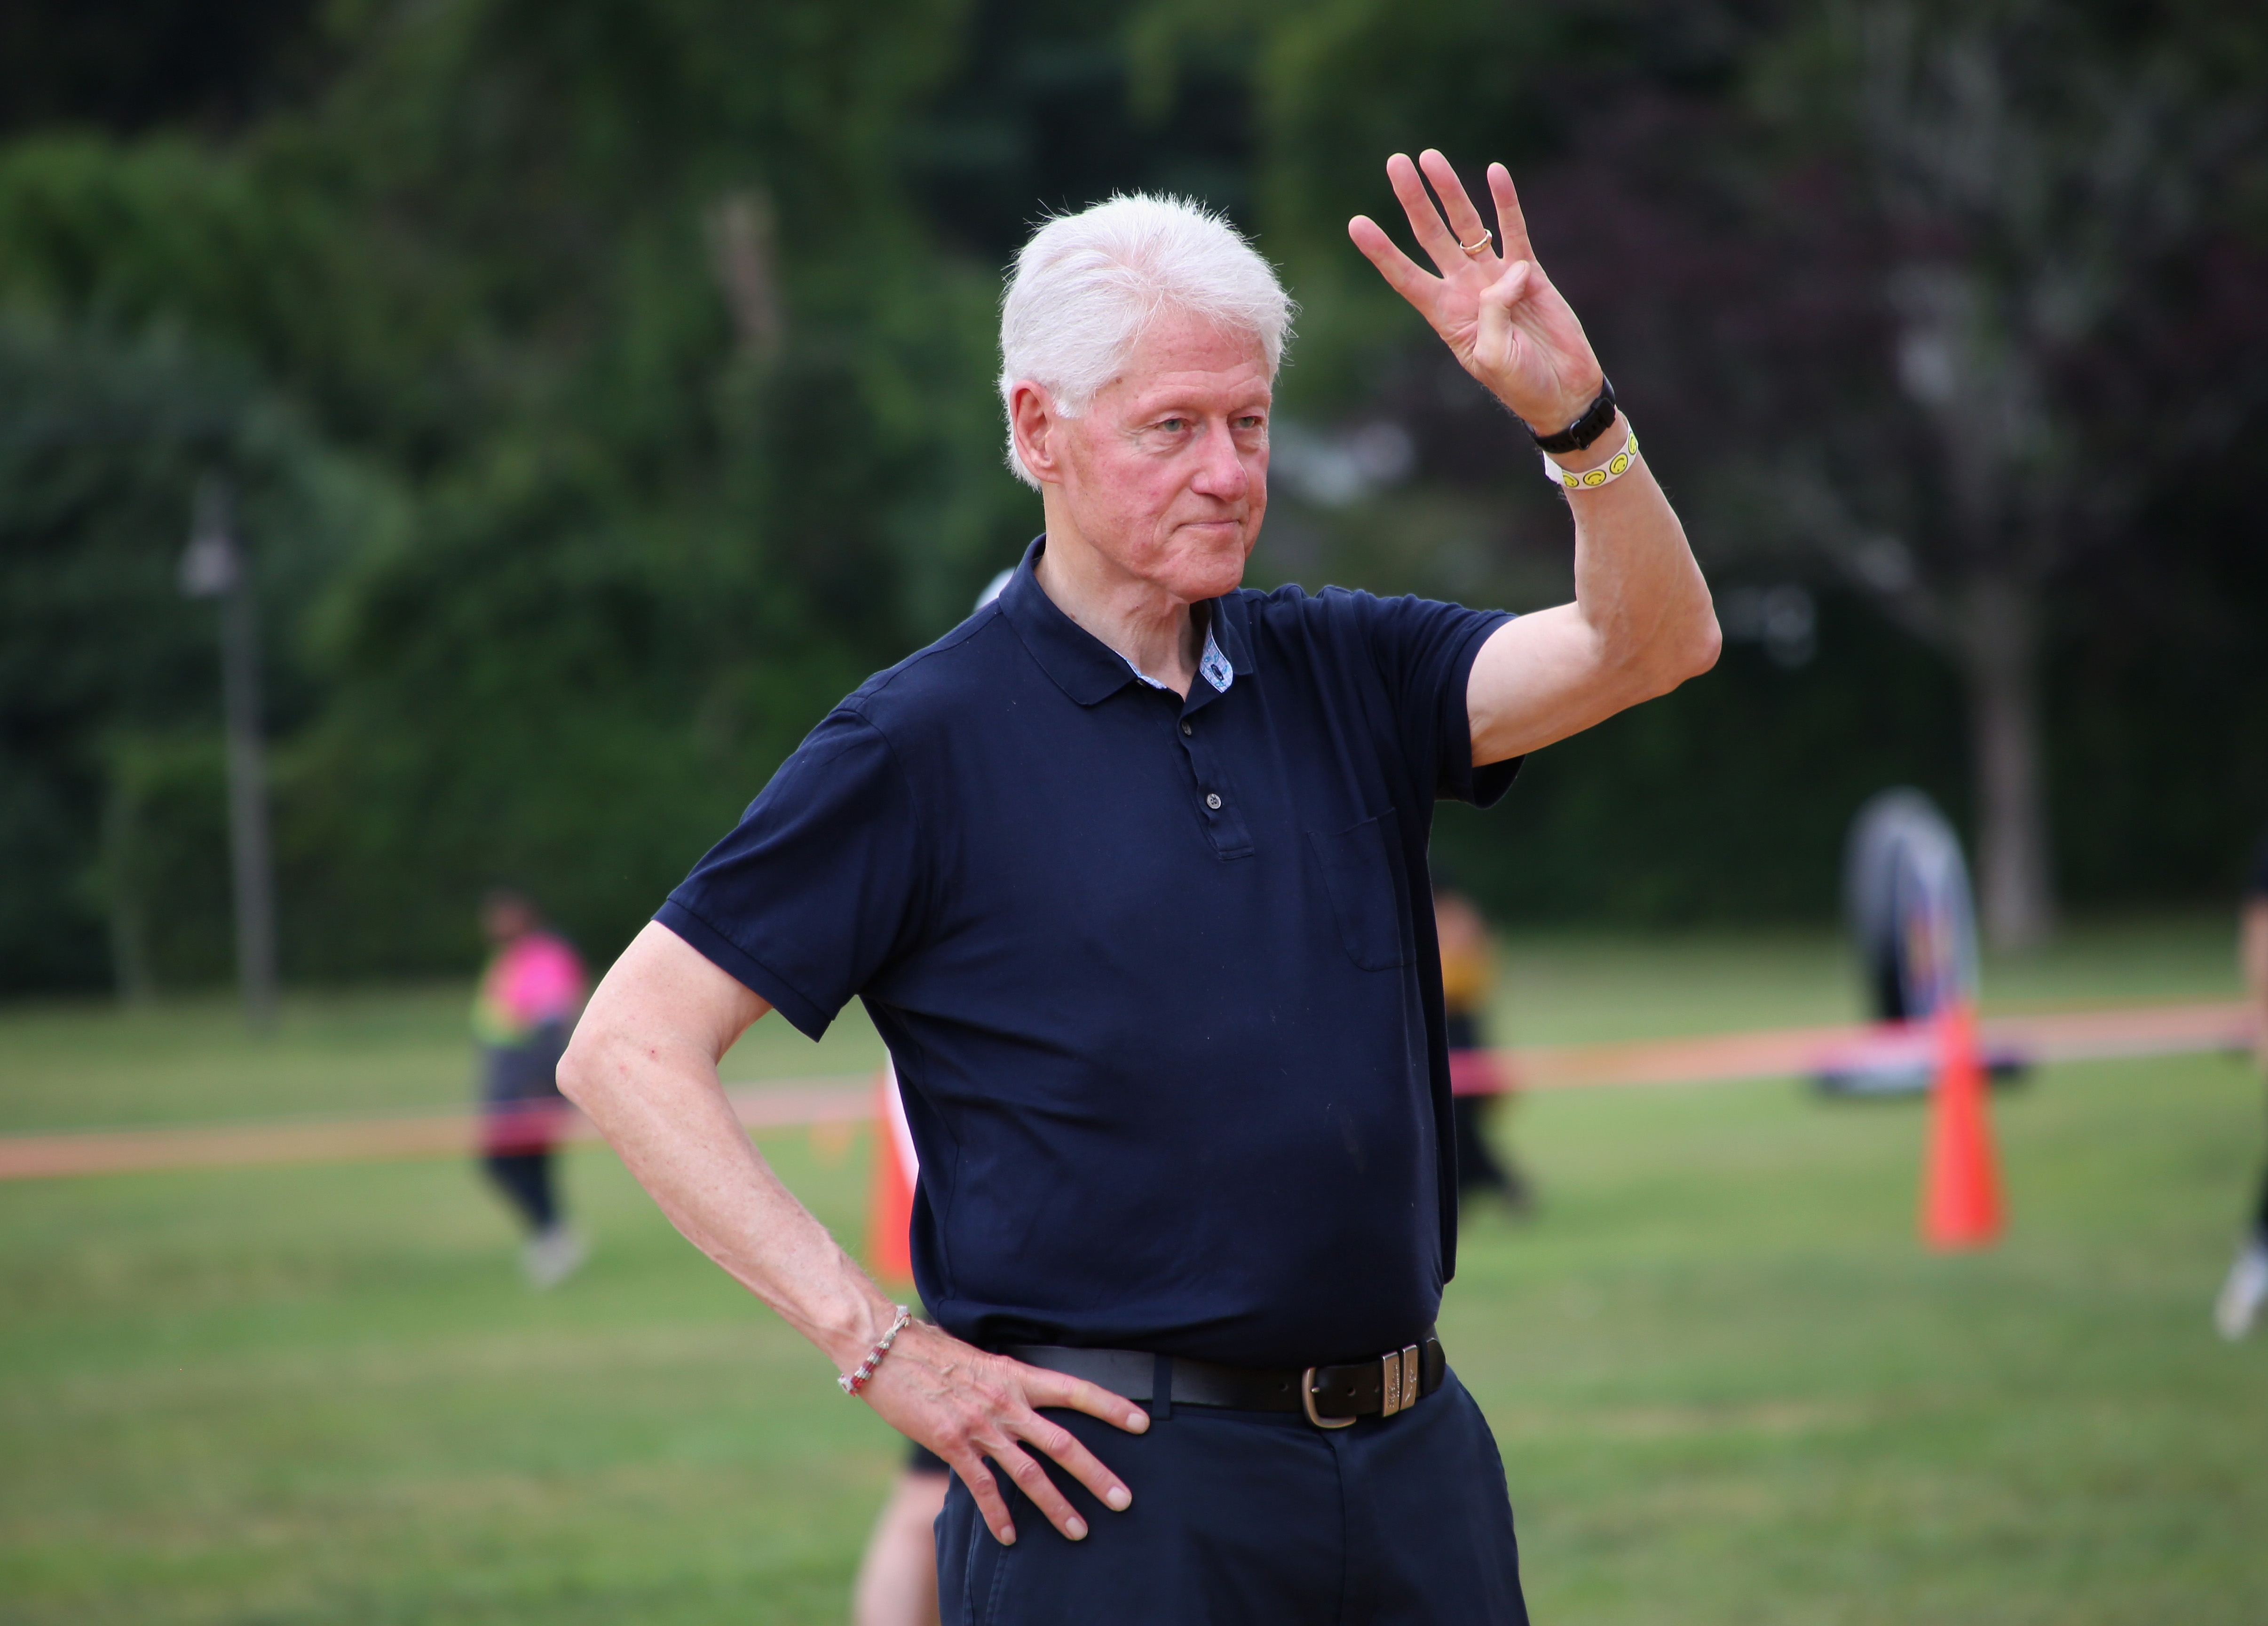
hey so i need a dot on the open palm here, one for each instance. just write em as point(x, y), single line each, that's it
point(1494, 306)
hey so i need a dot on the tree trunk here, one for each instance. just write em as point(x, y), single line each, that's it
point(1998, 647)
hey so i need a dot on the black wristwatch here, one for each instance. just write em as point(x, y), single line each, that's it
point(1597, 418)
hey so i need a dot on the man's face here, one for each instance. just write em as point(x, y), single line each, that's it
point(1166, 473)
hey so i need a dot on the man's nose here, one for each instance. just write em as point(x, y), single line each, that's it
point(1221, 472)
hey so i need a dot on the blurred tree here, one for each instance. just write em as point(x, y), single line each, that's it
point(695, 423)
point(657, 341)
point(109, 679)
point(2045, 177)
point(1935, 301)
point(126, 65)
point(1054, 108)
point(712, 442)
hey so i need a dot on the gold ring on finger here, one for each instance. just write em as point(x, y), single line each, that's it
point(1485, 239)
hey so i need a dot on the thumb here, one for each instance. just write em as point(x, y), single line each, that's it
point(1492, 335)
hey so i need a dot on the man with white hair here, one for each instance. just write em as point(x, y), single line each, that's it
point(1129, 870)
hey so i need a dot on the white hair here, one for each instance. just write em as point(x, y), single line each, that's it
point(1088, 286)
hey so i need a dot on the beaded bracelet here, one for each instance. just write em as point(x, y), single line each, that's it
point(854, 1380)
point(1606, 474)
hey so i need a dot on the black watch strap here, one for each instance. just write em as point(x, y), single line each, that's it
point(1596, 419)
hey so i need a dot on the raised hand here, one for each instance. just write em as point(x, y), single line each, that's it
point(978, 1412)
point(1491, 304)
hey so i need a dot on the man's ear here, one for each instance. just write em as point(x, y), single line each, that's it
point(1039, 431)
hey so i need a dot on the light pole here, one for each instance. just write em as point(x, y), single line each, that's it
point(213, 567)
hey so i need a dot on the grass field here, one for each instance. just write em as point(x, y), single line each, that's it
point(1728, 1385)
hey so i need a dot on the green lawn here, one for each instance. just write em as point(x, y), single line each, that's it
point(1728, 1385)
point(90, 1064)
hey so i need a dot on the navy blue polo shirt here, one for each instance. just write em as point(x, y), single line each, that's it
point(1159, 976)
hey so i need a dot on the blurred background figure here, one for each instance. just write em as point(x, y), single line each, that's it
point(1906, 893)
point(2241, 1294)
point(529, 995)
point(1476, 1075)
point(897, 1579)
point(1912, 917)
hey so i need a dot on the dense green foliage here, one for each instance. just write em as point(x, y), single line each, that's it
point(646, 532)
point(110, 783)
point(610, 389)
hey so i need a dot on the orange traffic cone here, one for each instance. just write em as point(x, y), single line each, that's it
point(1961, 1190)
point(890, 1204)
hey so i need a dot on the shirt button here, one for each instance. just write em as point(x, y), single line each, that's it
point(1187, 729)
point(1212, 799)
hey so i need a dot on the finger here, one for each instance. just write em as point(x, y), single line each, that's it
point(1511, 223)
point(1464, 220)
point(1076, 1459)
point(1402, 274)
point(1043, 1387)
point(992, 1506)
point(1425, 218)
point(1033, 1481)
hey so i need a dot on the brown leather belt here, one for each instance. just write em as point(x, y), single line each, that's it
point(1333, 1397)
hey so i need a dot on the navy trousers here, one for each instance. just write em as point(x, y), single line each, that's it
point(1251, 1518)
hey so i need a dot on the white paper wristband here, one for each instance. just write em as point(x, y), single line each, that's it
point(1591, 479)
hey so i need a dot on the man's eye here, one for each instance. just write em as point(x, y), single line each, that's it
point(1252, 421)
point(1173, 425)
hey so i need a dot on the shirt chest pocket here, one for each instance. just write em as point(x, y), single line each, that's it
point(1362, 871)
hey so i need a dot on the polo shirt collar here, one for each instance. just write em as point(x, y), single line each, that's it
point(1082, 665)
point(1229, 634)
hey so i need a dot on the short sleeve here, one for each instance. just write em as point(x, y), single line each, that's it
point(815, 890)
point(1424, 649)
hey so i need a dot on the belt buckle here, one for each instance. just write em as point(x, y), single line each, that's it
point(1398, 1375)
point(1307, 1404)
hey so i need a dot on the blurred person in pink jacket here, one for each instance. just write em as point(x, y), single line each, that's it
point(2246, 1289)
point(530, 993)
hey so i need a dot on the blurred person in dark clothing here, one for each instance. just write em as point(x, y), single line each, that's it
point(897, 1576)
point(525, 1006)
point(2247, 1286)
point(1475, 1074)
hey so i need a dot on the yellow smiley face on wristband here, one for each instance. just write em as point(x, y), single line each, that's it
point(1605, 474)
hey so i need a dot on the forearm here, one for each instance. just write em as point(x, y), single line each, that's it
point(1641, 623)
point(643, 1066)
point(1638, 589)
point(668, 1119)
